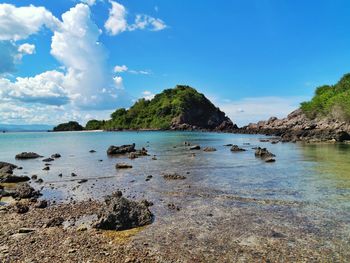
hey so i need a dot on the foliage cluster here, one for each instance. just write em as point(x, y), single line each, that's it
point(330, 101)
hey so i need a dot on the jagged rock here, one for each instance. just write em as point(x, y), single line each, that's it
point(120, 213)
point(55, 222)
point(21, 208)
point(92, 151)
point(48, 160)
point(138, 153)
point(7, 176)
point(25, 191)
point(235, 148)
point(226, 125)
point(27, 155)
point(263, 153)
point(7, 167)
point(123, 149)
point(47, 168)
point(209, 149)
point(41, 204)
point(10, 178)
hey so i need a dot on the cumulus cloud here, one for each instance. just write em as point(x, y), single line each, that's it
point(124, 68)
point(76, 46)
point(18, 23)
point(117, 22)
point(118, 82)
point(249, 110)
point(147, 22)
point(148, 95)
point(120, 69)
point(26, 48)
point(84, 82)
point(45, 88)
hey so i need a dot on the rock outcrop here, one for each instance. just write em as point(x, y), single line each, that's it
point(27, 155)
point(120, 213)
point(7, 176)
point(298, 127)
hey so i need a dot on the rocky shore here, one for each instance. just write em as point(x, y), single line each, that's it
point(188, 223)
point(297, 127)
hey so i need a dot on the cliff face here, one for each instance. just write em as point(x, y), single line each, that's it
point(181, 108)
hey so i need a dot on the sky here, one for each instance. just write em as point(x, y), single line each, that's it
point(80, 60)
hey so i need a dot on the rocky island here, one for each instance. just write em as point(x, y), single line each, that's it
point(180, 108)
point(69, 126)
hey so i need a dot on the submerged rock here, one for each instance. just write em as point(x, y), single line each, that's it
point(209, 149)
point(123, 166)
point(28, 155)
point(173, 176)
point(120, 213)
point(56, 155)
point(48, 160)
point(123, 149)
point(195, 147)
point(235, 148)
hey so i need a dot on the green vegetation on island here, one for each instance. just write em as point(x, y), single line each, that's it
point(171, 108)
point(69, 126)
point(330, 101)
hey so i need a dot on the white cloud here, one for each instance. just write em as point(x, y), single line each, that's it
point(117, 22)
point(142, 72)
point(124, 68)
point(18, 23)
point(76, 46)
point(249, 110)
point(118, 82)
point(120, 69)
point(45, 88)
point(26, 48)
point(147, 22)
point(148, 95)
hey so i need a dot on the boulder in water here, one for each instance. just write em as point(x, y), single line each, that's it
point(27, 155)
point(123, 149)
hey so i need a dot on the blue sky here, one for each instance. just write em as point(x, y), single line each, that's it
point(254, 59)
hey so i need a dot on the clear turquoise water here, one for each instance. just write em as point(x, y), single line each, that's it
point(317, 176)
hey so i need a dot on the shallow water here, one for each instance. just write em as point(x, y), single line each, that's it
point(307, 181)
